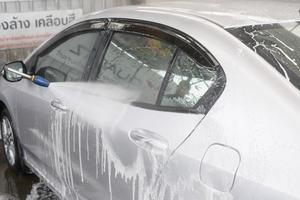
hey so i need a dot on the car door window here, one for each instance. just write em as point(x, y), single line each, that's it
point(68, 60)
point(167, 72)
point(189, 81)
point(137, 62)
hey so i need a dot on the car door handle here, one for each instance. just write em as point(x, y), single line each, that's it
point(57, 104)
point(149, 141)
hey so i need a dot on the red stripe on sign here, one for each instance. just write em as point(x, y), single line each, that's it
point(21, 45)
point(22, 37)
point(22, 41)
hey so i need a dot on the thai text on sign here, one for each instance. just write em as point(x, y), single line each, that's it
point(29, 29)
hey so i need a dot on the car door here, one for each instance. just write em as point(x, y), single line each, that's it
point(148, 92)
point(64, 59)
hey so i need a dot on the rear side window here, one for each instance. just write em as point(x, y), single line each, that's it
point(167, 72)
point(137, 62)
point(188, 82)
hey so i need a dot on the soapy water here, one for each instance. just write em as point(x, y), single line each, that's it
point(17, 186)
point(106, 160)
point(40, 191)
point(7, 197)
point(83, 133)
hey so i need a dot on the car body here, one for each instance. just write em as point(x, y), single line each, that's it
point(126, 130)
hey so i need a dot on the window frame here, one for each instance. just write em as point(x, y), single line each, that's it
point(141, 27)
point(73, 31)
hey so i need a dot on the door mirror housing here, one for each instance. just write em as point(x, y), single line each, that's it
point(9, 68)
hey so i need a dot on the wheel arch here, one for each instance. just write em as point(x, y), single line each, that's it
point(2, 106)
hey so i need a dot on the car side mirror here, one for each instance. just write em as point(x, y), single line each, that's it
point(10, 69)
point(15, 71)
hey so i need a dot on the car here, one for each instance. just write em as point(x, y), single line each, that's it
point(2, 63)
point(166, 101)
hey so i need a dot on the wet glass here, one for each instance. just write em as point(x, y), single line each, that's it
point(188, 82)
point(68, 59)
point(278, 44)
point(137, 62)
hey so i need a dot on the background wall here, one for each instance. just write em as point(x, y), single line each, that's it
point(20, 6)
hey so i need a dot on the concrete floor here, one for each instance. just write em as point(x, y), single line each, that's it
point(15, 186)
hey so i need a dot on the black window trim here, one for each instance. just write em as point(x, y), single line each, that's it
point(164, 84)
point(205, 103)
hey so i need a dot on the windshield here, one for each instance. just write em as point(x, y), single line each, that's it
point(278, 44)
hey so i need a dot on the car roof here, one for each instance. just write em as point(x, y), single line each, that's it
point(226, 13)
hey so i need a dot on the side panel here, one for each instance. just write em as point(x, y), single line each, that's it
point(96, 156)
point(257, 113)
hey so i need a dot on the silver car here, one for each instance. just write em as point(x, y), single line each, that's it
point(170, 101)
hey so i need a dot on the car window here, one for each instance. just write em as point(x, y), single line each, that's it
point(189, 81)
point(137, 62)
point(68, 60)
point(278, 44)
point(167, 72)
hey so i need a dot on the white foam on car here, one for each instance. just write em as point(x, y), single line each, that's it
point(96, 108)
